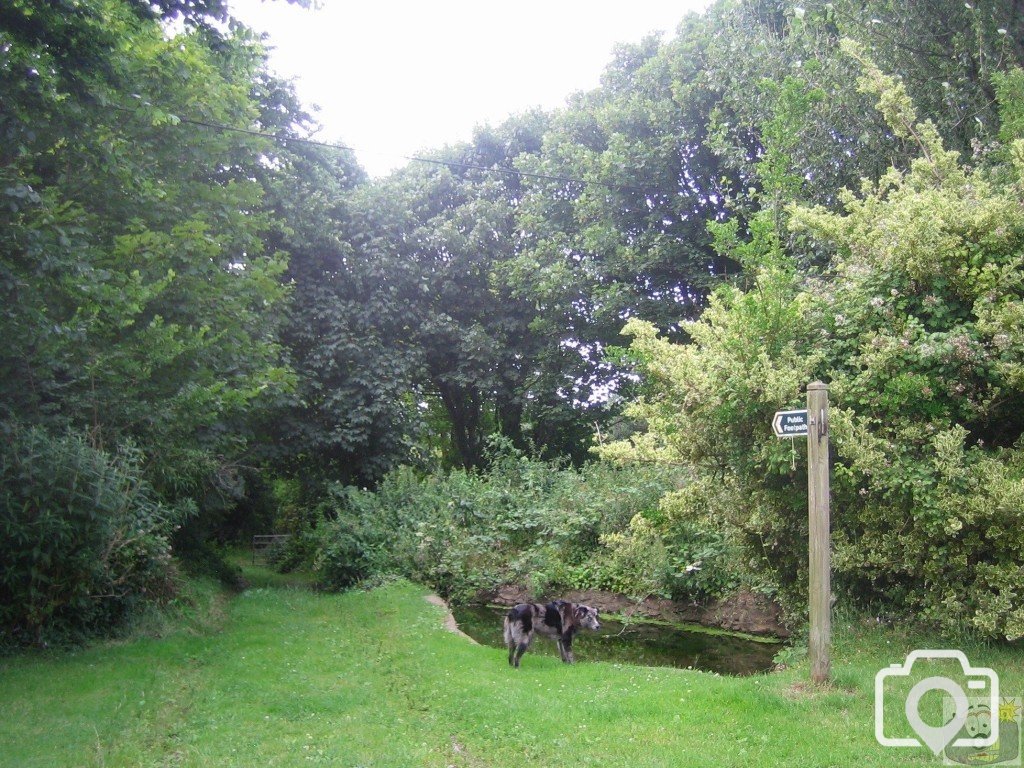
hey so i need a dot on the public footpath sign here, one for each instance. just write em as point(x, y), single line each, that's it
point(790, 423)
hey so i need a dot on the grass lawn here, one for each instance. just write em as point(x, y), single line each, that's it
point(288, 677)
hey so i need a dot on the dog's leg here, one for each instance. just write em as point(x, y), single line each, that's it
point(510, 642)
point(517, 637)
point(565, 646)
point(520, 650)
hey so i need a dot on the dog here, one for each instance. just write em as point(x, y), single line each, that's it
point(559, 620)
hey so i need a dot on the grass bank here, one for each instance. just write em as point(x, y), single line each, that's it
point(289, 677)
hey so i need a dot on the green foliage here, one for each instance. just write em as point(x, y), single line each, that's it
point(137, 299)
point(636, 564)
point(1010, 92)
point(616, 228)
point(342, 561)
point(523, 521)
point(930, 403)
point(348, 418)
point(707, 407)
point(447, 311)
point(915, 326)
point(83, 542)
point(224, 302)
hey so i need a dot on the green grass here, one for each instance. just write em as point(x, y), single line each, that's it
point(258, 574)
point(288, 677)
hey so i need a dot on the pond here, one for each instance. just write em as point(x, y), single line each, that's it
point(650, 645)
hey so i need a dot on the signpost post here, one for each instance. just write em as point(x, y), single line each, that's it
point(820, 588)
point(812, 423)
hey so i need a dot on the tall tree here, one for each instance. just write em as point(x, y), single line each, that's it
point(137, 295)
point(945, 51)
point(451, 226)
point(350, 418)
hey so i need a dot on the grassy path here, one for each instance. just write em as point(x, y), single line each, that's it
point(294, 678)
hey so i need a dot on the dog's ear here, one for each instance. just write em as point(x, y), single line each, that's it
point(582, 610)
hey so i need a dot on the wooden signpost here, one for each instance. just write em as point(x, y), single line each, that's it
point(813, 424)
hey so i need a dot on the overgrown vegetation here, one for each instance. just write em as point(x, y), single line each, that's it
point(915, 325)
point(524, 521)
point(139, 306)
point(83, 540)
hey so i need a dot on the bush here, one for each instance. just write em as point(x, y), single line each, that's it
point(523, 521)
point(83, 543)
point(342, 561)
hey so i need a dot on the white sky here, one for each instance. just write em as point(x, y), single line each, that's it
point(393, 78)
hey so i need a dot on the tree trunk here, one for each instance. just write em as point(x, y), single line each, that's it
point(464, 412)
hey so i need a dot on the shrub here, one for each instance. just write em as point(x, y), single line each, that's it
point(636, 564)
point(522, 521)
point(342, 560)
point(82, 541)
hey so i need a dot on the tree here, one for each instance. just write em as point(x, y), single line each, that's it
point(617, 231)
point(449, 229)
point(929, 424)
point(138, 298)
point(350, 418)
point(780, 69)
point(138, 302)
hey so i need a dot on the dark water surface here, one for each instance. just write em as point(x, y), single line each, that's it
point(649, 645)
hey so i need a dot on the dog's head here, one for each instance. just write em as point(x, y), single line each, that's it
point(587, 617)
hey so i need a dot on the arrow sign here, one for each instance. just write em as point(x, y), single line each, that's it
point(790, 423)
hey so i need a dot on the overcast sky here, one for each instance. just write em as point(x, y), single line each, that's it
point(394, 78)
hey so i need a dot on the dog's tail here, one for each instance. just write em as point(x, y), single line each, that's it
point(509, 642)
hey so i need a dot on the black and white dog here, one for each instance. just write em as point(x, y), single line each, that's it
point(559, 620)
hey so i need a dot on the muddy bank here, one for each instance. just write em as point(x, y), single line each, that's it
point(449, 620)
point(744, 611)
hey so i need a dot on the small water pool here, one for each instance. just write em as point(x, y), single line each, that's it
point(650, 645)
